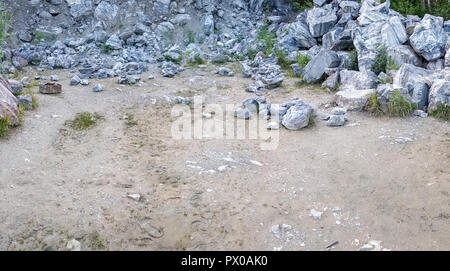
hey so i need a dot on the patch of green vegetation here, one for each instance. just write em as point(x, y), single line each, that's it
point(84, 120)
point(5, 121)
point(373, 106)
point(441, 112)
point(283, 62)
point(4, 125)
point(439, 8)
point(98, 243)
point(129, 120)
point(5, 23)
point(107, 49)
point(399, 106)
point(251, 53)
point(311, 121)
point(302, 60)
point(191, 36)
point(171, 59)
point(301, 5)
point(38, 37)
point(383, 62)
point(391, 65)
point(353, 58)
point(267, 37)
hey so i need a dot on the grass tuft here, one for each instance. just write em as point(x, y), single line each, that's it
point(84, 120)
point(441, 112)
point(399, 106)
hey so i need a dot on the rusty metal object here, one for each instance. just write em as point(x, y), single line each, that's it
point(50, 88)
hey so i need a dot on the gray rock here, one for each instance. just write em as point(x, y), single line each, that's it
point(225, 71)
point(420, 113)
point(251, 105)
point(357, 80)
point(331, 83)
point(353, 99)
point(170, 69)
point(297, 116)
point(350, 7)
point(242, 113)
point(25, 82)
point(338, 39)
point(428, 38)
point(371, 12)
point(114, 42)
point(84, 82)
point(321, 20)
point(26, 101)
point(15, 87)
point(436, 65)
point(439, 94)
point(297, 69)
point(8, 102)
point(98, 88)
point(74, 81)
point(182, 100)
point(413, 79)
point(54, 78)
point(336, 120)
point(401, 54)
point(319, 3)
point(208, 24)
point(106, 12)
point(247, 71)
point(161, 6)
point(447, 59)
point(315, 68)
point(82, 9)
point(294, 36)
point(339, 111)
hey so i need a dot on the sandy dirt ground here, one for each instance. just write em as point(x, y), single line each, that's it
point(378, 180)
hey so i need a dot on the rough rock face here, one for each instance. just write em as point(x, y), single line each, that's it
point(355, 80)
point(428, 38)
point(295, 36)
point(8, 102)
point(315, 68)
point(353, 99)
point(401, 54)
point(413, 79)
point(297, 116)
point(321, 20)
point(439, 94)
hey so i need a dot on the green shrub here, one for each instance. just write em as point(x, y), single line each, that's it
point(268, 37)
point(302, 60)
point(383, 62)
point(373, 106)
point(301, 5)
point(399, 106)
point(251, 53)
point(177, 61)
point(4, 125)
point(283, 62)
point(191, 36)
point(38, 37)
point(353, 58)
point(441, 112)
point(107, 49)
